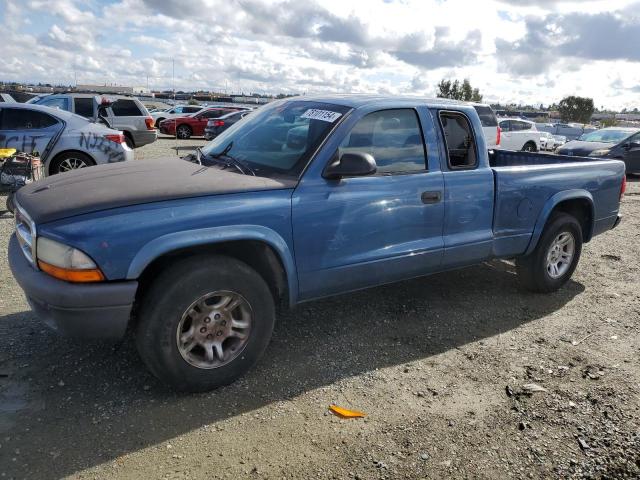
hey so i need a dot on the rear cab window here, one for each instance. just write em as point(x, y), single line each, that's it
point(459, 141)
point(392, 137)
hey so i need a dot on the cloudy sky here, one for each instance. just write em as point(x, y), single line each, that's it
point(513, 50)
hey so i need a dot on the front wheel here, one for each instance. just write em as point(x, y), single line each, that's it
point(530, 147)
point(209, 327)
point(555, 257)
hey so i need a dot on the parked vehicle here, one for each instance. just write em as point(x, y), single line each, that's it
point(6, 98)
point(570, 131)
point(215, 126)
point(126, 114)
point(193, 125)
point(551, 142)
point(518, 134)
point(305, 198)
point(490, 128)
point(173, 112)
point(614, 142)
point(64, 141)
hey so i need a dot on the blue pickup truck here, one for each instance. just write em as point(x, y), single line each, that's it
point(305, 198)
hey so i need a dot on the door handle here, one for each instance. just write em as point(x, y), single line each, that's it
point(431, 197)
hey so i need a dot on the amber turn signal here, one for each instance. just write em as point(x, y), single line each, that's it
point(68, 275)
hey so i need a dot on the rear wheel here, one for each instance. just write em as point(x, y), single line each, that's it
point(530, 147)
point(158, 121)
point(208, 328)
point(555, 257)
point(68, 161)
point(129, 141)
point(183, 131)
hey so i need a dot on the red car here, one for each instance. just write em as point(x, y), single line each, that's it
point(193, 124)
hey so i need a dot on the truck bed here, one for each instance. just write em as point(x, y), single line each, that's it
point(525, 184)
point(508, 158)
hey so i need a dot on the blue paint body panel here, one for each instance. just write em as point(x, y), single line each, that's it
point(334, 236)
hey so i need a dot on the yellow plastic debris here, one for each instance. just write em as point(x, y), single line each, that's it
point(7, 152)
point(344, 413)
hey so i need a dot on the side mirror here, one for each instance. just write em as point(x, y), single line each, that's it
point(354, 164)
point(632, 145)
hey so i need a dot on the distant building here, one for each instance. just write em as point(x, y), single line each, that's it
point(119, 89)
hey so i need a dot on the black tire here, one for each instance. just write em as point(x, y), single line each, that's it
point(530, 147)
point(10, 204)
point(59, 163)
point(532, 269)
point(129, 141)
point(183, 131)
point(167, 301)
point(158, 121)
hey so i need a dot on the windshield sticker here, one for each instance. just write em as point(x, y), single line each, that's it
point(324, 115)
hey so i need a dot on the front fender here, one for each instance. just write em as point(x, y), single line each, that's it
point(210, 236)
point(552, 203)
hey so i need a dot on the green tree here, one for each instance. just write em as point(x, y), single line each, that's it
point(576, 109)
point(458, 91)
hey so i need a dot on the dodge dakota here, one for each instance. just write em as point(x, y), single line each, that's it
point(305, 198)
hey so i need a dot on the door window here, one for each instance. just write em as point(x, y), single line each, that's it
point(83, 107)
point(23, 119)
point(59, 102)
point(459, 141)
point(125, 108)
point(505, 125)
point(392, 137)
point(519, 126)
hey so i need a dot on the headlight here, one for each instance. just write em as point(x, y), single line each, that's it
point(66, 263)
point(602, 152)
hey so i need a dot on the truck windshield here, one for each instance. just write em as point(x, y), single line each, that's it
point(277, 139)
point(606, 136)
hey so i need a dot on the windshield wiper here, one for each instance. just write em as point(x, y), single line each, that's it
point(225, 159)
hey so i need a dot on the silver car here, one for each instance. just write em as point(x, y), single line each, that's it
point(127, 114)
point(65, 141)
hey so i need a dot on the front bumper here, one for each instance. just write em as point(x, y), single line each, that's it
point(95, 310)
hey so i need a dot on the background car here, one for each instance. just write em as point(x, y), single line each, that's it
point(215, 126)
point(490, 128)
point(6, 98)
point(126, 114)
point(613, 142)
point(550, 142)
point(172, 112)
point(193, 125)
point(65, 141)
point(570, 131)
point(519, 134)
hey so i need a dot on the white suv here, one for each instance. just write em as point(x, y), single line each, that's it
point(519, 134)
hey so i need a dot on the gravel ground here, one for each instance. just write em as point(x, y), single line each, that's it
point(440, 366)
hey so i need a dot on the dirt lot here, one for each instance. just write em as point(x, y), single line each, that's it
point(437, 364)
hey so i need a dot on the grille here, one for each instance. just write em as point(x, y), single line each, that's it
point(26, 234)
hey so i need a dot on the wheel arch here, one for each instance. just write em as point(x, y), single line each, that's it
point(577, 203)
point(261, 248)
point(63, 152)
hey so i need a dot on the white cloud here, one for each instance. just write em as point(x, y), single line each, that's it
point(512, 50)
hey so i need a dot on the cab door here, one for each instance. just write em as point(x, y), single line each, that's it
point(469, 192)
point(357, 232)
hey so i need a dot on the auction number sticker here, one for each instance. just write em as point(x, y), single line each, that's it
point(324, 115)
